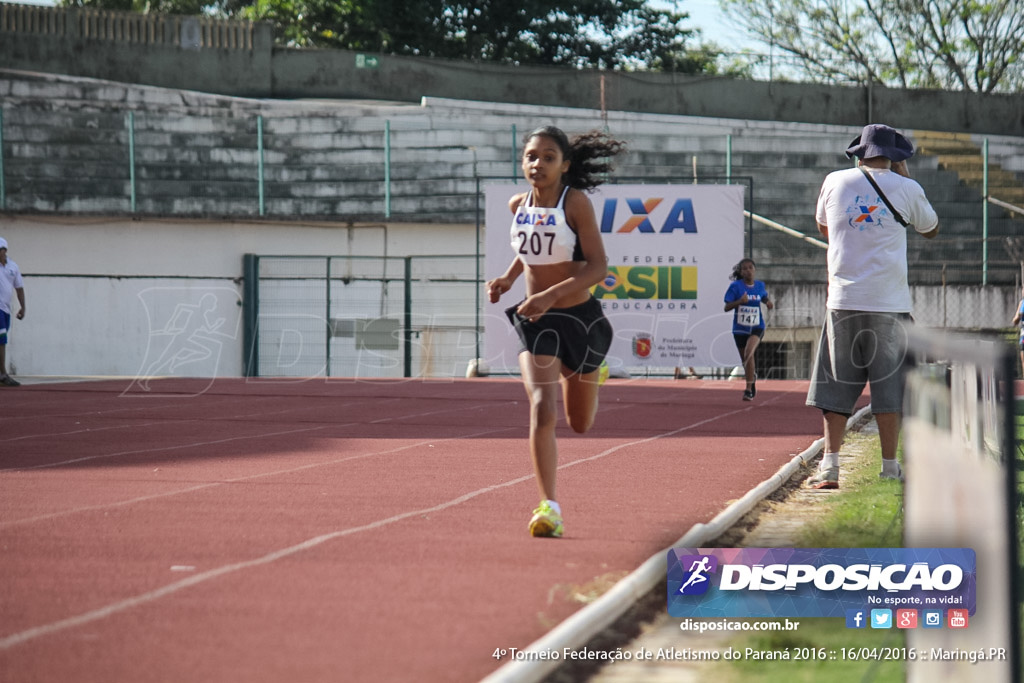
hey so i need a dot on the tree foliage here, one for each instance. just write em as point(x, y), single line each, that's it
point(971, 45)
point(611, 34)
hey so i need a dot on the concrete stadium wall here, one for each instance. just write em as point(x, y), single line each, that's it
point(64, 44)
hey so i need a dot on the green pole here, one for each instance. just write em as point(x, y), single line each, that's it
point(259, 146)
point(728, 159)
point(408, 316)
point(984, 215)
point(131, 157)
point(478, 290)
point(250, 314)
point(387, 168)
point(515, 144)
point(327, 315)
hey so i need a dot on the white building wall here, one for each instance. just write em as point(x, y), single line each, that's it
point(114, 296)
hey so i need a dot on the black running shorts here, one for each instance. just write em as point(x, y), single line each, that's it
point(579, 336)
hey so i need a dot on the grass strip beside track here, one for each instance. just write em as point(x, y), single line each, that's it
point(865, 513)
point(1019, 454)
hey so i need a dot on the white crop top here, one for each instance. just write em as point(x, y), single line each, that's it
point(541, 235)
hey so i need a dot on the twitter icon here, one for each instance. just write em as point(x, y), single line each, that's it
point(881, 618)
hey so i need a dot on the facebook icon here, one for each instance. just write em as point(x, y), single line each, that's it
point(855, 618)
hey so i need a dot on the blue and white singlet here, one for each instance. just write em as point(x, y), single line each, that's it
point(747, 317)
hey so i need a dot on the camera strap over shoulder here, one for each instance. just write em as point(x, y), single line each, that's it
point(888, 204)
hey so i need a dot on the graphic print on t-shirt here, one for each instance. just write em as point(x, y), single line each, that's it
point(865, 213)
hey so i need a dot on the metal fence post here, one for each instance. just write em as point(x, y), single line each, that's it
point(479, 284)
point(728, 159)
point(250, 315)
point(515, 143)
point(327, 316)
point(407, 332)
point(984, 213)
point(259, 147)
point(387, 168)
point(131, 158)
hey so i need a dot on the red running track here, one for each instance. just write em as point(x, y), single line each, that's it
point(274, 531)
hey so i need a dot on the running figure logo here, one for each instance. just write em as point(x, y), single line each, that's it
point(187, 337)
point(698, 567)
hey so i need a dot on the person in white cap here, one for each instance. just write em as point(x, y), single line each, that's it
point(864, 213)
point(10, 284)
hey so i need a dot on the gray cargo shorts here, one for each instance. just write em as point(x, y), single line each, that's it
point(857, 348)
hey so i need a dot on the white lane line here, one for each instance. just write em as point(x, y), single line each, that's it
point(649, 439)
point(241, 417)
point(129, 603)
point(197, 444)
point(104, 506)
point(236, 480)
point(140, 451)
point(190, 489)
point(151, 596)
point(116, 412)
point(456, 409)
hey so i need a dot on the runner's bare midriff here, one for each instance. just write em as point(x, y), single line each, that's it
point(539, 278)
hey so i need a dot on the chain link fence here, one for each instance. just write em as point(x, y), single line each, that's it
point(361, 317)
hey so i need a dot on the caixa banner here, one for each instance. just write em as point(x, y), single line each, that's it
point(671, 250)
point(817, 582)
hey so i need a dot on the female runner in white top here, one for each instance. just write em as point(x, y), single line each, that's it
point(558, 246)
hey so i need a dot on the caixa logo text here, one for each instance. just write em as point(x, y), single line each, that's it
point(831, 577)
point(680, 217)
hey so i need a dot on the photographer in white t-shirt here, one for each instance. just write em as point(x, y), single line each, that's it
point(864, 213)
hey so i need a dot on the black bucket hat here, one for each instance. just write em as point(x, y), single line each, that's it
point(879, 140)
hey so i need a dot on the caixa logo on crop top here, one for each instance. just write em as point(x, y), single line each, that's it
point(817, 582)
point(640, 219)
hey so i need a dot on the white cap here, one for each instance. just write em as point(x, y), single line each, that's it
point(3, 243)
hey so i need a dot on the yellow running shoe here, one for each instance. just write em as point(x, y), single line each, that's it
point(602, 373)
point(546, 522)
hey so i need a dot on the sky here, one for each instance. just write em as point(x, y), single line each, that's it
point(714, 24)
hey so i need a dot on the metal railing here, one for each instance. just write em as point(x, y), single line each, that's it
point(129, 27)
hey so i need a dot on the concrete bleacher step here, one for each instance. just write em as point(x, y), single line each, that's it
point(963, 155)
point(197, 154)
point(939, 142)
